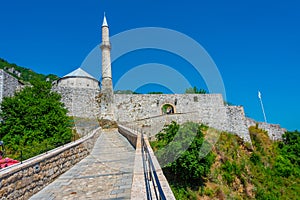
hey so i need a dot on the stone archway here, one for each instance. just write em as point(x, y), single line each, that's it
point(167, 109)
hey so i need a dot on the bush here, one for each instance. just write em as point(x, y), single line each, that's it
point(283, 166)
point(255, 158)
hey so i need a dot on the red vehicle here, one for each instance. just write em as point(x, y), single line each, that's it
point(6, 161)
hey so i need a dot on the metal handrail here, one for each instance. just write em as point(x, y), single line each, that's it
point(150, 174)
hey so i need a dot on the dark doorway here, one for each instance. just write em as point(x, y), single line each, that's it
point(167, 109)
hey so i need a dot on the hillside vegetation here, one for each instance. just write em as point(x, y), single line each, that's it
point(23, 74)
point(233, 169)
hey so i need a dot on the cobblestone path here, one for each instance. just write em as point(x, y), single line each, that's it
point(105, 174)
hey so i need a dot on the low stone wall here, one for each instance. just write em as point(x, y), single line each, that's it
point(274, 131)
point(21, 181)
point(138, 189)
point(127, 133)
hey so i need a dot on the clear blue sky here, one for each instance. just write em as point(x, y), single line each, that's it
point(255, 44)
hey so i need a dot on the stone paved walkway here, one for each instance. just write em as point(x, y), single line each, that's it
point(105, 174)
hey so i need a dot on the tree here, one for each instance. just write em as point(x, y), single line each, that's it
point(195, 90)
point(34, 120)
point(189, 169)
point(288, 160)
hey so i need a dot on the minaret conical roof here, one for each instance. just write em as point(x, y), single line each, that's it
point(104, 21)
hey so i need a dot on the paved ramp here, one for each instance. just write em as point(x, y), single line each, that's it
point(105, 174)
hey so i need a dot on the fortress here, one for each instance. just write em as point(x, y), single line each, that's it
point(113, 169)
point(83, 97)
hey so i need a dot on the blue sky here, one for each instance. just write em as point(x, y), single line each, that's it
point(254, 44)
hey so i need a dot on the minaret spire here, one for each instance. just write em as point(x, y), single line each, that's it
point(106, 83)
point(104, 21)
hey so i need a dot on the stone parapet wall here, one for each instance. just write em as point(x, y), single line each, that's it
point(162, 179)
point(138, 189)
point(128, 134)
point(80, 102)
point(21, 181)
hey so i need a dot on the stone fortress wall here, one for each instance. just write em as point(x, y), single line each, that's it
point(8, 85)
point(79, 94)
point(209, 109)
point(80, 102)
point(146, 111)
point(79, 91)
point(274, 131)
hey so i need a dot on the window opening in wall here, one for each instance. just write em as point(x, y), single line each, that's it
point(195, 99)
point(167, 109)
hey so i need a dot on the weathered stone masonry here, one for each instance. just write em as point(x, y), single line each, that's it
point(21, 181)
point(8, 85)
point(146, 110)
point(80, 102)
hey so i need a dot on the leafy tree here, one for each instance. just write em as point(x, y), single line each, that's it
point(189, 169)
point(288, 160)
point(34, 119)
point(167, 134)
point(291, 147)
point(195, 90)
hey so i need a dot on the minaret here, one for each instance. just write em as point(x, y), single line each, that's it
point(106, 83)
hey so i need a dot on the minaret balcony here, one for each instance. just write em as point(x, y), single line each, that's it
point(105, 45)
